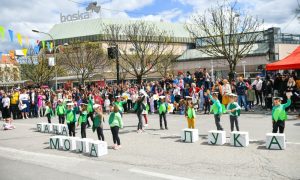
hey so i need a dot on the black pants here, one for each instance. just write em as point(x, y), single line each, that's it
point(14, 110)
point(177, 98)
point(90, 115)
point(129, 104)
point(49, 117)
point(234, 120)
point(71, 127)
point(140, 123)
point(61, 119)
point(251, 104)
point(258, 95)
point(161, 116)
point(278, 125)
point(125, 107)
point(206, 107)
point(115, 134)
point(100, 133)
point(217, 121)
point(83, 130)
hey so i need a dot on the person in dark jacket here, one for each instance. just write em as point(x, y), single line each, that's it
point(139, 108)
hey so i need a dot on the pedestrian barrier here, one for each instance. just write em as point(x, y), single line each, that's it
point(275, 141)
point(239, 139)
point(189, 135)
point(216, 137)
point(88, 146)
point(59, 129)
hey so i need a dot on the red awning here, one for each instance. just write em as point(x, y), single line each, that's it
point(292, 61)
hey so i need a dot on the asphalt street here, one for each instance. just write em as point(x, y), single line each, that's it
point(154, 154)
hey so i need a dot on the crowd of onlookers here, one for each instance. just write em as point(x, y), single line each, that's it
point(253, 94)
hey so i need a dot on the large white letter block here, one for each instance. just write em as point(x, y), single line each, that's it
point(64, 129)
point(189, 135)
point(275, 141)
point(82, 145)
point(98, 148)
point(48, 128)
point(56, 128)
point(216, 137)
point(55, 142)
point(239, 139)
point(40, 127)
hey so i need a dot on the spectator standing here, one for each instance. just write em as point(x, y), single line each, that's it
point(241, 92)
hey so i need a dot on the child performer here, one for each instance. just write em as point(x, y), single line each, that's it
point(71, 118)
point(190, 114)
point(279, 114)
point(90, 110)
point(115, 123)
point(49, 112)
point(118, 102)
point(107, 104)
point(98, 121)
point(216, 108)
point(234, 111)
point(162, 110)
point(82, 120)
point(61, 111)
point(140, 107)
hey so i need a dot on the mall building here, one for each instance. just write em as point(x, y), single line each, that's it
point(271, 45)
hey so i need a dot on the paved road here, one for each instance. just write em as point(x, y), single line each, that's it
point(155, 154)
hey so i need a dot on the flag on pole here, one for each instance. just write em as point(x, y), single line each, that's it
point(2, 32)
point(19, 37)
point(24, 51)
point(11, 35)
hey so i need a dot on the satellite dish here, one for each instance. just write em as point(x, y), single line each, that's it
point(93, 7)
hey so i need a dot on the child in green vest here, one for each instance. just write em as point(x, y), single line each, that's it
point(190, 114)
point(61, 111)
point(234, 111)
point(162, 110)
point(98, 121)
point(120, 104)
point(115, 122)
point(216, 108)
point(71, 118)
point(49, 112)
point(279, 114)
point(83, 119)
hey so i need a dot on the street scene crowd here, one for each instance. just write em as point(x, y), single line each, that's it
point(184, 93)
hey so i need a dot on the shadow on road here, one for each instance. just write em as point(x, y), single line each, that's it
point(297, 124)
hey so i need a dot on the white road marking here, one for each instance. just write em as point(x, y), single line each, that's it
point(159, 175)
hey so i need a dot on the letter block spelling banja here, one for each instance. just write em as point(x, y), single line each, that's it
point(239, 138)
point(41, 127)
point(98, 148)
point(82, 145)
point(216, 137)
point(56, 128)
point(275, 141)
point(48, 128)
point(189, 135)
point(64, 130)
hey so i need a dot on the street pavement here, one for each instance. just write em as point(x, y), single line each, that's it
point(154, 154)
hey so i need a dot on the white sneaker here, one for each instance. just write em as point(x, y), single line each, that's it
point(146, 125)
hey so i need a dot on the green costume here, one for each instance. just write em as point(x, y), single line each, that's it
point(60, 109)
point(90, 105)
point(162, 107)
point(71, 115)
point(82, 117)
point(98, 119)
point(115, 119)
point(217, 106)
point(235, 106)
point(49, 111)
point(120, 105)
point(191, 113)
point(279, 113)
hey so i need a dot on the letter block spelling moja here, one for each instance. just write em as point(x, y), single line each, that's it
point(82, 145)
point(275, 141)
point(98, 148)
point(55, 142)
point(69, 143)
point(216, 137)
point(189, 135)
point(239, 138)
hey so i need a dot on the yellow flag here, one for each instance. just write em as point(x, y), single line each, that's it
point(19, 37)
point(24, 52)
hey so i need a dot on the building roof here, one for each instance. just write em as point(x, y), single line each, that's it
point(193, 54)
point(94, 27)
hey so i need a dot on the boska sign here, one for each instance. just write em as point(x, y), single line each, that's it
point(74, 17)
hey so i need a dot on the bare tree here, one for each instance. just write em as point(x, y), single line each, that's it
point(167, 65)
point(35, 67)
point(225, 31)
point(83, 59)
point(141, 46)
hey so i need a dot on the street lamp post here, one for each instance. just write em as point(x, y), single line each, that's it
point(244, 68)
point(36, 31)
